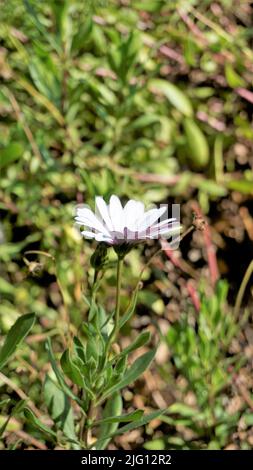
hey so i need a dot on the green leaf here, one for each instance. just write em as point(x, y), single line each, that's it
point(41, 99)
point(233, 78)
point(82, 35)
point(71, 370)
point(144, 121)
point(248, 419)
point(15, 411)
point(30, 416)
point(135, 424)
point(134, 371)
point(182, 409)
point(92, 349)
point(130, 310)
point(137, 414)
point(155, 444)
point(141, 422)
point(102, 92)
point(148, 5)
point(63, 21)
point(242, 186)
point(176, 97)
point(59, 408)
point(142, 339)
point(79, 349)
point(15, 336)
point(4, 426)
point(59, 375)
point(212, 188)
point(197, 146)
point(10, 153)
point(113, 407)
point(6, 287)
point(44, 77)
point(41, 28)
point(218, 158)
point(4, 402)
point(120, 365)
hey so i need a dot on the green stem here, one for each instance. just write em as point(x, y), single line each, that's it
point(115, 330)
point(94, 287)
point(92, 412)
point(117, 308)
point(91, 416)
point(241, 291)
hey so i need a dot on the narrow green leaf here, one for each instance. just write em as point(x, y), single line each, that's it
point(135, 424)
point(79, 349)
point(182, 409)
point(59, 375)
point(137, 414)
point(10, 153)
point(15, 411)
point(144, 121)
point(155, 444)
point(212, 188)
point(142, 339)
point(234, 80)
point(17, 333)
point(92, 349)
point(134, 371)
point(30, 416)
point(113, 407)
point(41, 28)
point(70, 369)
point(177, 97)
point(241, 185)
point(197, 146)
point(59, 408)
point(43, 100)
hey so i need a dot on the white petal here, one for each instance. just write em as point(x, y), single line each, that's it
point(102, 209)
point(116, 213)
point(166, 231)
point(150, 217)
point(100, 237)
point(88, 234)
point(133, 212)
point(164, 223)
point(86, 217)
point(84, 211)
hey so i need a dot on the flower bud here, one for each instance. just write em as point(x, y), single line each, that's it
point(99, 256)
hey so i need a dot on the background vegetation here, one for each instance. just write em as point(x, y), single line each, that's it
point(149, 100)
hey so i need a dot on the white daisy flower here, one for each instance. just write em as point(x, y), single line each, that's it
point(116, 225)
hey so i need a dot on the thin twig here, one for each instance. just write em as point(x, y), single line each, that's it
point(27, 437)
point(244, 393)
point(20, 393)
point(210, 249)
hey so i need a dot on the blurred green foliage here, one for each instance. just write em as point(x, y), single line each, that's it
point(199, 350)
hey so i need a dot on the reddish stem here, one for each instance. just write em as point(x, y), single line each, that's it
point(210, 249)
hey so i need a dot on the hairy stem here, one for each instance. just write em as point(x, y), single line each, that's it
point(92, 411)
point(115, 330)
point(117, 307)
point(91, 416)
